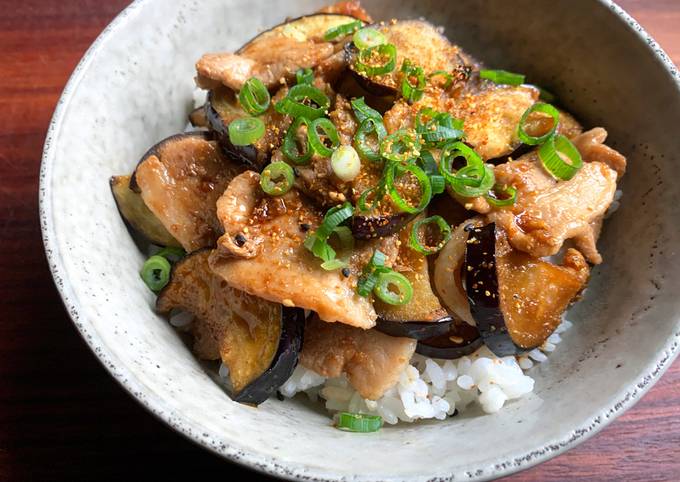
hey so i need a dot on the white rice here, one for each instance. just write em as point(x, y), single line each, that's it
point(433, 389)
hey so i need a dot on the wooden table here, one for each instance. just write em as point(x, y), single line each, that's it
point(61, 416)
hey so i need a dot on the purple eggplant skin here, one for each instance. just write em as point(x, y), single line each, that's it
point(418, 330)
point(381, 226)
point(245, 154)
point(449, 353)
point(156, 149)
point(351, 52)
point(285, 360)
point(481, 286)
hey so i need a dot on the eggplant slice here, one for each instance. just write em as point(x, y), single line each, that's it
point(516, 300)
point(459, 340)
point(222, 108)
point(273, 55)
point(197, 117)
point(258, 340)
point(180, 180)
point(418, 41)
point(135, 213)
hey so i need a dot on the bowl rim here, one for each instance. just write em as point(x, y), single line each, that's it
point(617, 405)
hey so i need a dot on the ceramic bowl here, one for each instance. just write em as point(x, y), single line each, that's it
point(134, 87)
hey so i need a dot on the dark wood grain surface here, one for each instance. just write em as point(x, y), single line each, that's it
point(62, 417)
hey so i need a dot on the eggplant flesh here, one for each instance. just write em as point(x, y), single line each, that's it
point(516, 300)
point(137, 215)
point(257, 340)
point(197, 117)
point(417, 41)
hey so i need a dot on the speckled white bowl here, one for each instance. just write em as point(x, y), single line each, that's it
point(134, 87)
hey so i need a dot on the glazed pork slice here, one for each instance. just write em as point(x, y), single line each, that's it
point(547, 211)
point(180, 180)
point(371, 360)
point(262, 253)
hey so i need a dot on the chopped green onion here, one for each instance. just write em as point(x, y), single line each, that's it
point(172, 254)
point(451, 152)
point(438, 184)
point(317, 243)
point(367, 127)
point(368, 37)
point(369, 275)
point(412, 92)
point(333, 264)
point(427, 163)
point(296, 103)
point(393, 288)
point(502, 77)
point(277, 178)
point(469, 183)
point(345, 163)
point(363, 199)
point(358, 422)
point(156, 273)
point(345, 236)
point(328, 131)
point(363, 111)
point(342, 30)
point(245, 131)
point(554, 163)
point(544, 109)
point(254, 96)
point(402, 146)
point(509, 192)
point(290, 143)
point(444, 235)
point(386, 51)
point(395, 169)
point(304, 76)
point(447, 77)
point(439, 128)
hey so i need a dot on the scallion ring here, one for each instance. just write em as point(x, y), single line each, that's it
point(554, 163)
point(448, 78)
point(254, 96)
point(290, 143)
point(438, 184)
point(317, 243)
point(393, 172)
point(342, 30)
point(544, 109)
point(468, 182)
point(401, 146)
point(413, 82)
point(328, 131)
point(363, 111)
point(450, 152)
point(502, 77)
point(333, 264)
point(437, 128)
point(368, 37)
point(296, 103)
point(369, 275)
point(358, 422)
point(368, 127)
point(393, 288)
point(345, 163)
point(246, 131)
point(304, 76)
point(378, 60)
point(415, 236)
point(277, 178)
point(156, 273)
point(509, 196)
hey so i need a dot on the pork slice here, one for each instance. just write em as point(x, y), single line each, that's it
point(371, 360)
point(262, 253)
point(271, 60)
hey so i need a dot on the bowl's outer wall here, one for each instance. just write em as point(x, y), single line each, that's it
point(135, 87)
